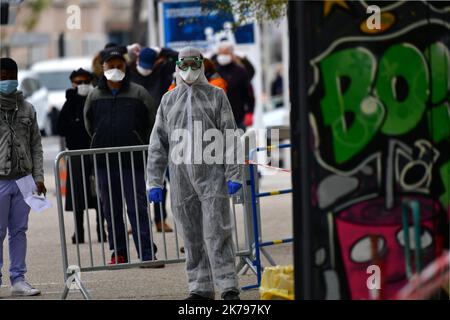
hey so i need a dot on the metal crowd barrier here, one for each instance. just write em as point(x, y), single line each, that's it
point(91, 257)
point(258, 244)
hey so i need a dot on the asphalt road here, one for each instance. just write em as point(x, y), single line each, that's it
point(44, 250)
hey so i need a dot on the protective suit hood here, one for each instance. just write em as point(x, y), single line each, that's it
point(201, 80)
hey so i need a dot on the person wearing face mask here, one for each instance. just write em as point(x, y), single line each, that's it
point(211, 75)
point(199, 192)
point(20, 155)
point(70, 125)
point(120, 113)
point(240, 90)
point(153, 70)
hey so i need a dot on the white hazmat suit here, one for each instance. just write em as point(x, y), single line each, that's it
point(199, 198)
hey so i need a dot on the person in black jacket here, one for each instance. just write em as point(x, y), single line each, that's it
point(154, 71)
point(240, 91)
point(121, 113)
point(70, 125)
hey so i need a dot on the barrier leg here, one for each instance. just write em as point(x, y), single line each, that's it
point(268, 256)
point(242, 267)
point(257, 262)
point(65, 293)
point(73, 278)
point(83, 289)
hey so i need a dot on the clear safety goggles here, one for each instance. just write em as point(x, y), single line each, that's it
point(194, 63)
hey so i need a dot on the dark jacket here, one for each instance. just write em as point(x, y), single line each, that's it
point(71, 122)
point(158, 82)
point(240, 91)
point(123, 120)
point(71, 126)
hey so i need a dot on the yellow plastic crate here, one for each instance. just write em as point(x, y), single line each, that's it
point(277, 283)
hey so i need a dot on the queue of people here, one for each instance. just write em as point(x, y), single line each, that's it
point(125, 102)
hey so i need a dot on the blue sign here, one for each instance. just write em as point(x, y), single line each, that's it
point(185, 23)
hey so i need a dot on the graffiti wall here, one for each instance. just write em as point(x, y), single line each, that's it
point(379, 114)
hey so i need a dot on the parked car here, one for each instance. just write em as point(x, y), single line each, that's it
point(37, 95)
point(275, 113)
point(54, 75)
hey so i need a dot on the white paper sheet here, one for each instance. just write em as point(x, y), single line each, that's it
point(38, 203)
point(27, 187)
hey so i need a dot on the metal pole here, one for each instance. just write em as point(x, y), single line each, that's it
point(235, 227)
point(100, 211)
point(62, 229)
point(86, 207)
point(149, 213)
point(136, 208)
point(255, 225)
point(72, 192)
point(299, 28)
point(124, 215)
point(111, 207)
point(151, 24)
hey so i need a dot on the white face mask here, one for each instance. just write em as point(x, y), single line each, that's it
point(224, 59)
point(84, 89)
point(190, 76)
point(114, 75)
point(142, 71)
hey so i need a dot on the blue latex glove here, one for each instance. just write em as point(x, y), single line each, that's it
point(233, 187)
point(155, 195)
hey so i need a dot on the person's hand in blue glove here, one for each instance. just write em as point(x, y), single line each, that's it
point(155, 195)
point(233, 187)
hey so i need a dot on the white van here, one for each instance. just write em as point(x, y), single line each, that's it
point(54, 75)
point(37, 95)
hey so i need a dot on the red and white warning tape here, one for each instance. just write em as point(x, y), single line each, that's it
point(267, 166)
point(425, 284)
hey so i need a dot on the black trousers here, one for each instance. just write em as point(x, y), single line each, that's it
point(79, 225)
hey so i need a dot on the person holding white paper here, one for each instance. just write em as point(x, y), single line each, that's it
point(20, 155)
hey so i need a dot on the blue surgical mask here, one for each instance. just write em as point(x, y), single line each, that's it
point(8, 86)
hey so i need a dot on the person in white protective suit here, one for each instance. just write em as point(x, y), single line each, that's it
point(199, 195)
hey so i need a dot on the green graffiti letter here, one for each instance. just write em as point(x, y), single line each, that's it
point(406, 62)
point(354, 102)
point(439, 122)
point(438, 58)
point(445, 175)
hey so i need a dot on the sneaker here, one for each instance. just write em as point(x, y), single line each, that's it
point(120, 259)
point(231, 295)
point(24, 289)
point(195, 296)
point(163, 225)
point(157, 265)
